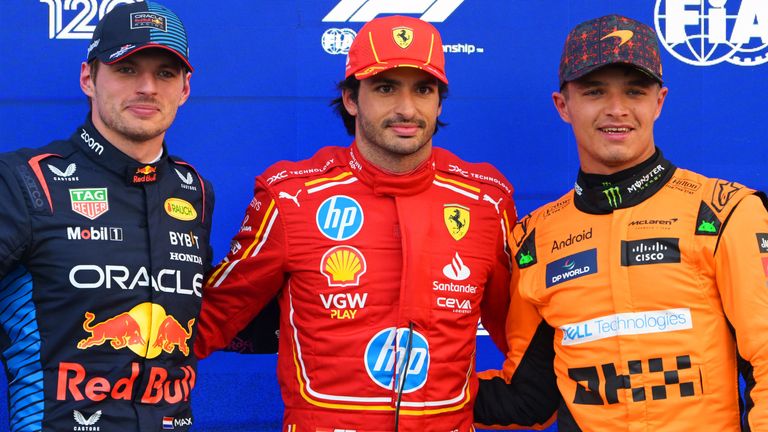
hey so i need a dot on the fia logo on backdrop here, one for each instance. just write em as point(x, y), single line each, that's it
point(709, 32)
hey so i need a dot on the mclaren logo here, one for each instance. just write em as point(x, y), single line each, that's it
point(624, 35)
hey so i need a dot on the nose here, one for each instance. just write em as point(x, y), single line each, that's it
point(147, 83)
point(617, 105)
point(406, 105)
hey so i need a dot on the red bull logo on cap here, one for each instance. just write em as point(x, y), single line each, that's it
point(146, 330)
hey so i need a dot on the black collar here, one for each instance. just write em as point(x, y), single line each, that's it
point(602, 194)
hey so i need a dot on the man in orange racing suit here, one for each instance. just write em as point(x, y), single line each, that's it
point(653, 277)
point(382, 255)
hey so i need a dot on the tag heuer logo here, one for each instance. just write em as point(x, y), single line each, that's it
point(90, 203)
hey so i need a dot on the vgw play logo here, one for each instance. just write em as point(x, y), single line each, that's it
point(708, 32)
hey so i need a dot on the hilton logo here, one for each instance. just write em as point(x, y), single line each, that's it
point(650, 251)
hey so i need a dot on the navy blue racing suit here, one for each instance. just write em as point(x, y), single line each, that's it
point(101, 270)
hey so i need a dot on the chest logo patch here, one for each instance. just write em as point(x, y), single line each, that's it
point(385, 359)
point(571, 267)
point(650, 251)
point(180, 209)
point(343, 266)
point(339, 218)
point(456, 219)
point(90, 202)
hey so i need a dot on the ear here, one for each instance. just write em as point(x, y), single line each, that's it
point(660, 98)
point(561, 106)
point(349, 104)
point(86, 83)
point(187, 89)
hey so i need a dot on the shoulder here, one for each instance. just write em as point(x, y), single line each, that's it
point(720, 195)
point(477, 173)
point(555, 212)
point(325, 161)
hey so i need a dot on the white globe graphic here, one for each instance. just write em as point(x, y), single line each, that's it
point(698, 48)
point(337, 41)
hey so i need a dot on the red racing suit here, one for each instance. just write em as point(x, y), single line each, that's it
point(653, 284)
point(375, 274)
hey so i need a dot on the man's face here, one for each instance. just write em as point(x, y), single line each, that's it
point(395, 116)
point(612, 111)
point(136, 99)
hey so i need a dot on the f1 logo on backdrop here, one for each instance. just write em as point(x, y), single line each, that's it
point(76, 19)
point(709, 32)
point(366, 10)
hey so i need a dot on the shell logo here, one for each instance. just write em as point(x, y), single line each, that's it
point(343, 266)
point(179, 209)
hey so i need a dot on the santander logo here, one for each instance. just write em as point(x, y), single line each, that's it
point(456, 270)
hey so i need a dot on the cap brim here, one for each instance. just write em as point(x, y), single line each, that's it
point(586, 71)
point(377, 68)
point(109, 57)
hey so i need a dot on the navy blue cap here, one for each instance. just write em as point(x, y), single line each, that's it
point(132, 27)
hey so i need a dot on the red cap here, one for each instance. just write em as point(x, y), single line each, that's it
point(396, 41)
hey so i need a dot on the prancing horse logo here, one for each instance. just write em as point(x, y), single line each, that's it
point(456, 219)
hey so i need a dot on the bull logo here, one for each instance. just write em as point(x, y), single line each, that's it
point(146, 330)
point(172, 334)
point(121, 330)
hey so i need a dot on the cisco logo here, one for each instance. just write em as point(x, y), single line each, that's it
point(709, 32)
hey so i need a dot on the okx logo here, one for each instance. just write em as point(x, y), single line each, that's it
point(708, 32)
point(366, 10)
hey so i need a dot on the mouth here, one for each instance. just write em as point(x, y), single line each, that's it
point(615, 130)
point(405, 129)
point(143, 109)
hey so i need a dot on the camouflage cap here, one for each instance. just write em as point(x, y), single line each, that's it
point(608, 40)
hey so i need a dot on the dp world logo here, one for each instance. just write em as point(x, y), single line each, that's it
point(387, 359)
point(708, 32)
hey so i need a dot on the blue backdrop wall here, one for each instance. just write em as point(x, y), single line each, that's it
point(266, 71)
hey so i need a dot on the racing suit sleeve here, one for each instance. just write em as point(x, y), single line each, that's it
point(495, 303)
point(247, 279)
point(523, 394)
point(741, 266)
point(15, 228)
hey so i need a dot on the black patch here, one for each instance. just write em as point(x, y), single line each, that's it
point(706, 222)
point(526, 256)
point(650, 251)
point(35, 195)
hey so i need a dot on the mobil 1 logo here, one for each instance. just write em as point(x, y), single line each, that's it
point(650, 251)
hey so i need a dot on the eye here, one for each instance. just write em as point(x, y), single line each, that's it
point(636, 92)
point(425, 90)
point(167, 74)
point(124, 69)
point(385, 88)
point(592, 92)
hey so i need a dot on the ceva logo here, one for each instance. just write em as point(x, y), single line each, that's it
point(709, 32)
point(366, 10)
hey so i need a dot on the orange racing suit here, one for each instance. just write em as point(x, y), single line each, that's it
point(651, 279)
point(374, 273)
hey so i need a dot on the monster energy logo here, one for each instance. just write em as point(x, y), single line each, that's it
point(613, 194)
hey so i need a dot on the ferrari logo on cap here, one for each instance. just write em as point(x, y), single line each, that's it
point(456, 220)
point(403, 36)
point(624, 35)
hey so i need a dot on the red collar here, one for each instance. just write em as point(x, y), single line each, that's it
point(386, 183)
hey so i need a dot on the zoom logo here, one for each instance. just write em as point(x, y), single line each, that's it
point(385, 359)
point(339, 218)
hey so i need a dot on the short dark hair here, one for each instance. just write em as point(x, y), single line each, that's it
point(352, 84)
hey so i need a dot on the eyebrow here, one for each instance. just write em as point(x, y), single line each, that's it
point(641, 82)
point(390, 81)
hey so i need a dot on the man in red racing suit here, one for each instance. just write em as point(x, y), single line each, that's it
point(381, 259)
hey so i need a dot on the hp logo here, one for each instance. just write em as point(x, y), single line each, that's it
point(339, 218)
point(385, 359)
